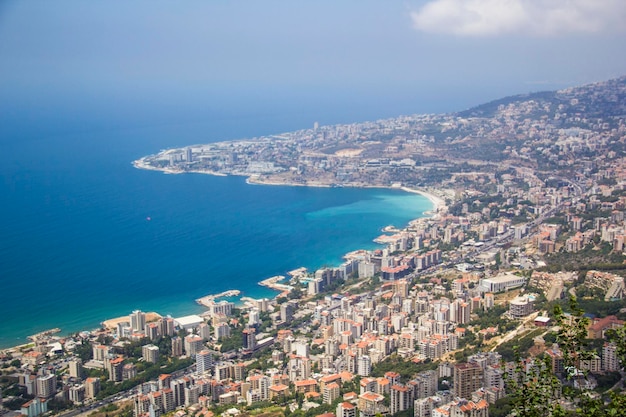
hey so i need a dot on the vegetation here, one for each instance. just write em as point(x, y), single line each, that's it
point(536, 391)
point(406, 368)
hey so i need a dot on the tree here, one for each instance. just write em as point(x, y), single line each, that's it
point(535, 389)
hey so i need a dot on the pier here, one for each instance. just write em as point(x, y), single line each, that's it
point(207, 300)
point(44, 334)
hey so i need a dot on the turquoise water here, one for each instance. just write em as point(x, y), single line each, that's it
point(77, 246)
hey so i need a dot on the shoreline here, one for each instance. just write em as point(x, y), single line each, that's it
point(437, 202)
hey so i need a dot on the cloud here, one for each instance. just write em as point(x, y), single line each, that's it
point(529, 17)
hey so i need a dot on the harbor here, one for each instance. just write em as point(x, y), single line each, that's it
point(208, 300)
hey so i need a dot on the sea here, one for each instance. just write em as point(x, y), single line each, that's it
point(87, 237)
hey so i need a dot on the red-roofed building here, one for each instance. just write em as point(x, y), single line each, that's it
point(307, 385)
point(599, 326)
point(346, 409)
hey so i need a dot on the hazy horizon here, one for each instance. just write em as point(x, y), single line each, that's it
point(126, 65)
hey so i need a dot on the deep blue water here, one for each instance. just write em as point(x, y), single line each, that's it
point(76, 246)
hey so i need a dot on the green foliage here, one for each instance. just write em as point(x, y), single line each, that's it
point(513, 348)
point(152, 371)
point(489, 318)
point(84, 351)
point(534, 392)
point(406, 368)
point(537, 392)
point(501, 408)
point(235, 341)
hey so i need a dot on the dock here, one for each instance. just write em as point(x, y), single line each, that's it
point(44, 334)
point(274, 283)
point(207, 300)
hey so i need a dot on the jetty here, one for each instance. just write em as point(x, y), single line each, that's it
point(44, 334)
point(274, 283)
point(298, 273)
point(207, 300)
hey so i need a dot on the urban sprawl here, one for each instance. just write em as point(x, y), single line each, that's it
point(441, 321)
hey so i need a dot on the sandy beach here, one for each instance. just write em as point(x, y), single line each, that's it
point(112, 323)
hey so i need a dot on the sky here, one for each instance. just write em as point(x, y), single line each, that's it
point(136, 62)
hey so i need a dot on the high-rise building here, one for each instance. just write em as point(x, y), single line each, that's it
point(177, 346)
point(34, 407)
point(92, 387)
point(346, 409)
point(286, 312)
point(204, 331)
point(46, 386)
point(254, 317)
point(193, 344)
point(221, 331)
point(129, 371)
point(168, 400)
point(331, 392)
point(138, 321)
point(101, 352)
point(115, 369)
point(610, 361)
point(204, 361)
point(76, 368)
point(150, 353)
point(166, 326)
point(401, 399)
point(249, 339)
point(364, 365)
point(468, 377)
point(76, 393)
point(152, 331)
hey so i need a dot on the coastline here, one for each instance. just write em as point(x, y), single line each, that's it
point(438, 204)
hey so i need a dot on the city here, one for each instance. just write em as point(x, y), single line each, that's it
point(447, 318)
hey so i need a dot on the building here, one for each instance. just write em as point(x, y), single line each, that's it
point(401, 399)
point(521, 306)
point(286, 312)
point(115, 368)
point(138, 321)
point(152, 331)
point(364, 365)
point(470, 409)
point(249, 339)
point(346, 409)
point(204, 361)
point(600, 325)
point(129, 371)
point(76, 368)
point(177, 346)
point(610, 361)
point(370, 404)
point(330, 393)
point(76, 393)
point(34, 407)
point(193, 345)
point(92, 388)
point(189, 322)
point(501, 282)
point(150, 353)
point(46, 386)
point(468, 377)
point(221, 308)
point(221, 331)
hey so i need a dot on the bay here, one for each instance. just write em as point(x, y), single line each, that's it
point(87, 237)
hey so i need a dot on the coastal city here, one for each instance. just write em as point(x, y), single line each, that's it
point(510, 294)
